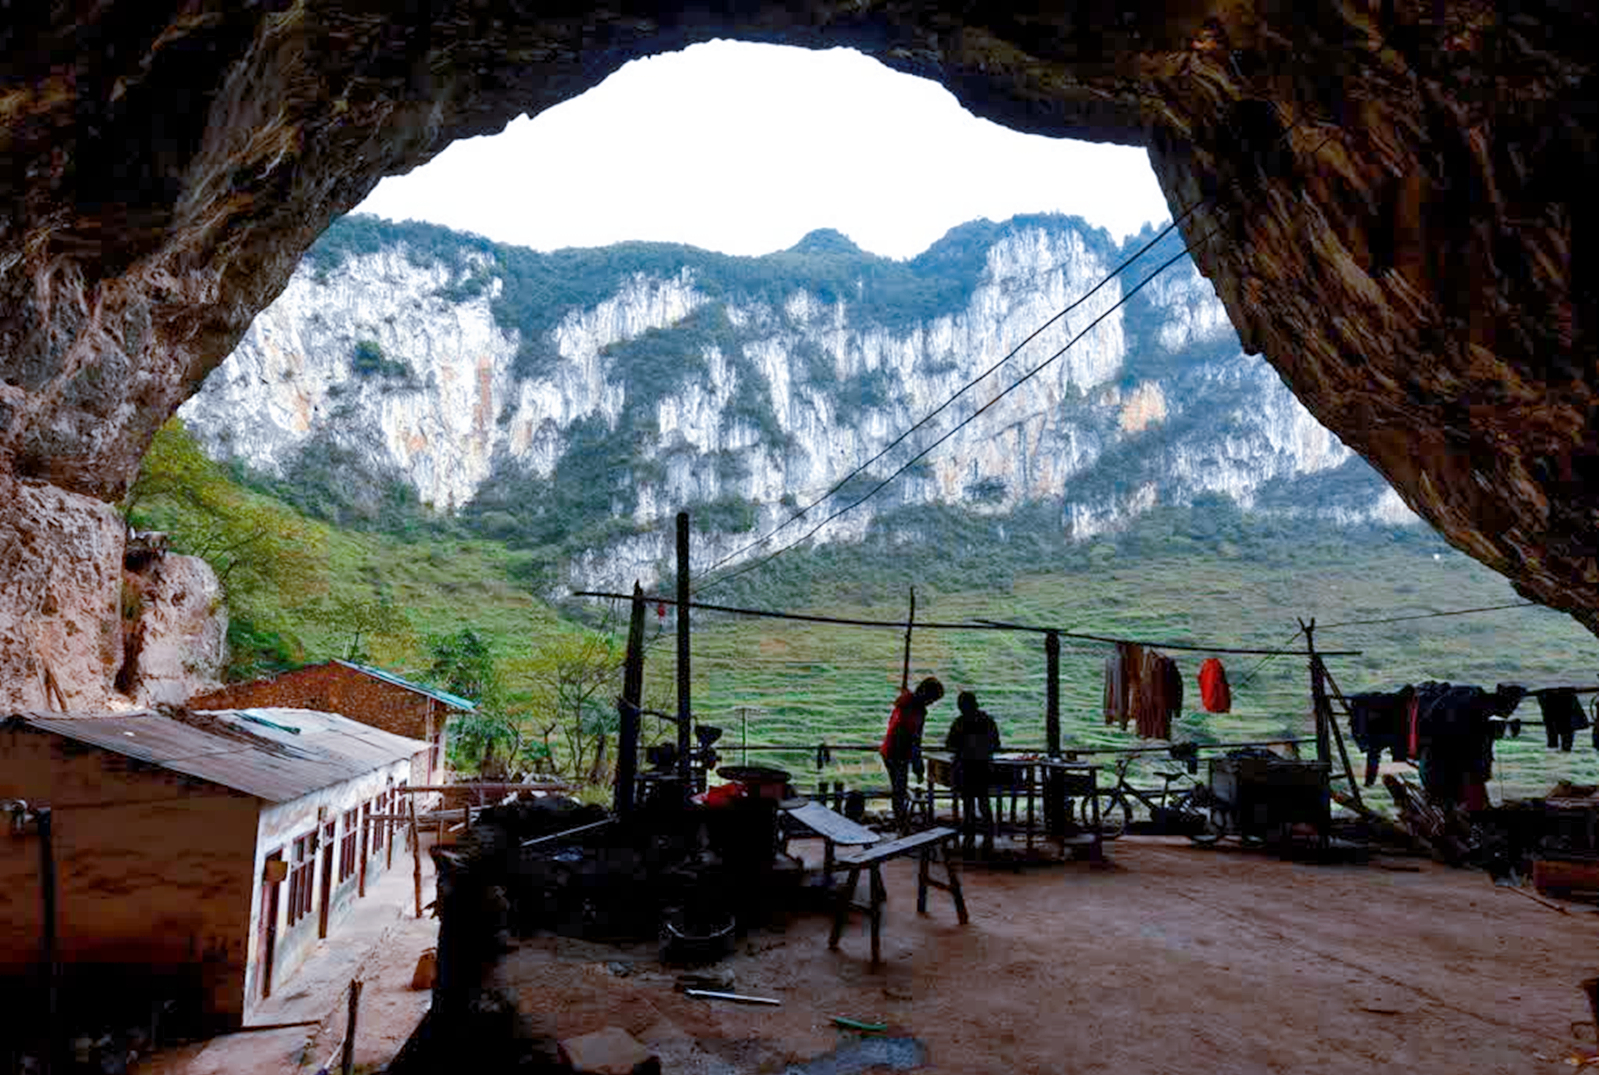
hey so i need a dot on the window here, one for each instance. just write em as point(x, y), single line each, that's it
point(300, 875)
point(380, 828)
point(348, 857)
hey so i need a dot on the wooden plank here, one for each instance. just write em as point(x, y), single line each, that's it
point(486, 787)
point(832, 826)
point(894, 848)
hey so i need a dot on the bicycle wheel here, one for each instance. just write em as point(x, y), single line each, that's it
point(1193, 807)
point(1115, 814)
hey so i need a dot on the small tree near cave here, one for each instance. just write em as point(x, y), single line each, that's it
point(576, 677)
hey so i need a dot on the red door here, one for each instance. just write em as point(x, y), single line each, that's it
point(269, 924)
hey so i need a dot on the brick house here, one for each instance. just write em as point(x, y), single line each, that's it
point(204, 854)
point(369, 695)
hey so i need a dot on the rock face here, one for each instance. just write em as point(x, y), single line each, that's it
point(1398, 209)
point(60, 598)
point(175, 645)
point(728, 382)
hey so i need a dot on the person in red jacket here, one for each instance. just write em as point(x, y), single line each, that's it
point(902, 745)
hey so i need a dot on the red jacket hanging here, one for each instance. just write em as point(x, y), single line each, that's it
point(1213, 689)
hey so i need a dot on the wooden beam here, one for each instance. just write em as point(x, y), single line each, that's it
point(488, 787)
point(910, 619)
point(416, 859)
point(684, 711)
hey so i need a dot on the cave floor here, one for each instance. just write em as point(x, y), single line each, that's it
point(1167, 959)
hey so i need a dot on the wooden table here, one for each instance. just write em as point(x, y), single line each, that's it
point(1024, 774)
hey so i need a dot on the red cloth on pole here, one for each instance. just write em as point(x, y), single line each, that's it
point(1213, 689)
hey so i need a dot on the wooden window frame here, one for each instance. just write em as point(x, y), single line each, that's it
point(349, 857)
point(302, 875)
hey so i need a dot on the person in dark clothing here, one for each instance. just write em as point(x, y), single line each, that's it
point(1563, 718)
point(902, 745)
point(973, 740)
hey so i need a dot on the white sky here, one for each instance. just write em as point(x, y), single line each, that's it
point(745, 148)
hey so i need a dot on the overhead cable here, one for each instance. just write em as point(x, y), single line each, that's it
point(968, 386)
point(1029, 375)
point(1428, 615)
point(1175, 222)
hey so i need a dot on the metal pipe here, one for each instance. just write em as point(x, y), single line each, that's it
point(740, 998)
point(568, 832)
point(47, 884)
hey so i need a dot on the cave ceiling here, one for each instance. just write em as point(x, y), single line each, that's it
point(1393, 198)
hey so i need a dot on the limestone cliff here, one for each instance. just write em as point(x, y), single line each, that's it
point(748, 382)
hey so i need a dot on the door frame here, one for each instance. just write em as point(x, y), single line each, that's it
point(329, 842)
point(269, 925)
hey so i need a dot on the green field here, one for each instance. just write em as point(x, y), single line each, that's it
point(802, 683)
point(303, 590)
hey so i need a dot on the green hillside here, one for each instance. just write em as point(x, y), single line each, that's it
point(303, 590)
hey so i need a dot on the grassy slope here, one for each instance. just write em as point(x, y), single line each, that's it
point(807, 681)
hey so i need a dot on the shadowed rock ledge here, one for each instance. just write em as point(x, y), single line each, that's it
point(1396, 209)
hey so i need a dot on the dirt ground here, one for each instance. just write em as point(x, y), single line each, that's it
point(1168, 959)
point(379, 943)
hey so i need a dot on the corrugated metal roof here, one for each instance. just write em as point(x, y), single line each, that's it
point(446, 697)
point(274, 754)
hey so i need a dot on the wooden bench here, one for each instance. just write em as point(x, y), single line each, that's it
point(834, 829)
point(923, 844)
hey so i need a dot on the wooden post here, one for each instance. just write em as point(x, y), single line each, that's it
point(1338, 735)
point(47, 886)
point(347, 1059)
point(416, 858)
point(910, 620)
point(1318, 696)
point(683, 706)
point(1054, 780)
point(1052, 694)
point(627, 711)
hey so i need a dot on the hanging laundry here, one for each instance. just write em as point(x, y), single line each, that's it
point(1456, 739)
point(1563, 718)
point(1174, 693)
point(1214, 692)
point(1116, 688)
point(1378, 721)
point(1133, 677)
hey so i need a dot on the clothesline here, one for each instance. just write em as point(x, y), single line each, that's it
point(1190, 647)
point(978, 624)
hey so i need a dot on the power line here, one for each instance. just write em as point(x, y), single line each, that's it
point(968, 386)
point(1428, 615)
point(1175, 222)
point(1262, 663)
point(1029, 375)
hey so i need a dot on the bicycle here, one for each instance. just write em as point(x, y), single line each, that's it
point(1186, 811)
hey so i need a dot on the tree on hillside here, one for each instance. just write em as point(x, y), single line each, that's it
point(266, 556)
point(496, 735)
point(576, 677)
point(363, 621)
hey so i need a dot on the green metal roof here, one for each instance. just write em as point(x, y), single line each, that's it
point(455, 701)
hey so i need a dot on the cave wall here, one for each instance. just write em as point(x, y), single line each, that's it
point(1393, 212)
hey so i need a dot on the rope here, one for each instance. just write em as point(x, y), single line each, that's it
point(1428, 615)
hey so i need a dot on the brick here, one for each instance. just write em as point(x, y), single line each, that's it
point(612, 1051)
